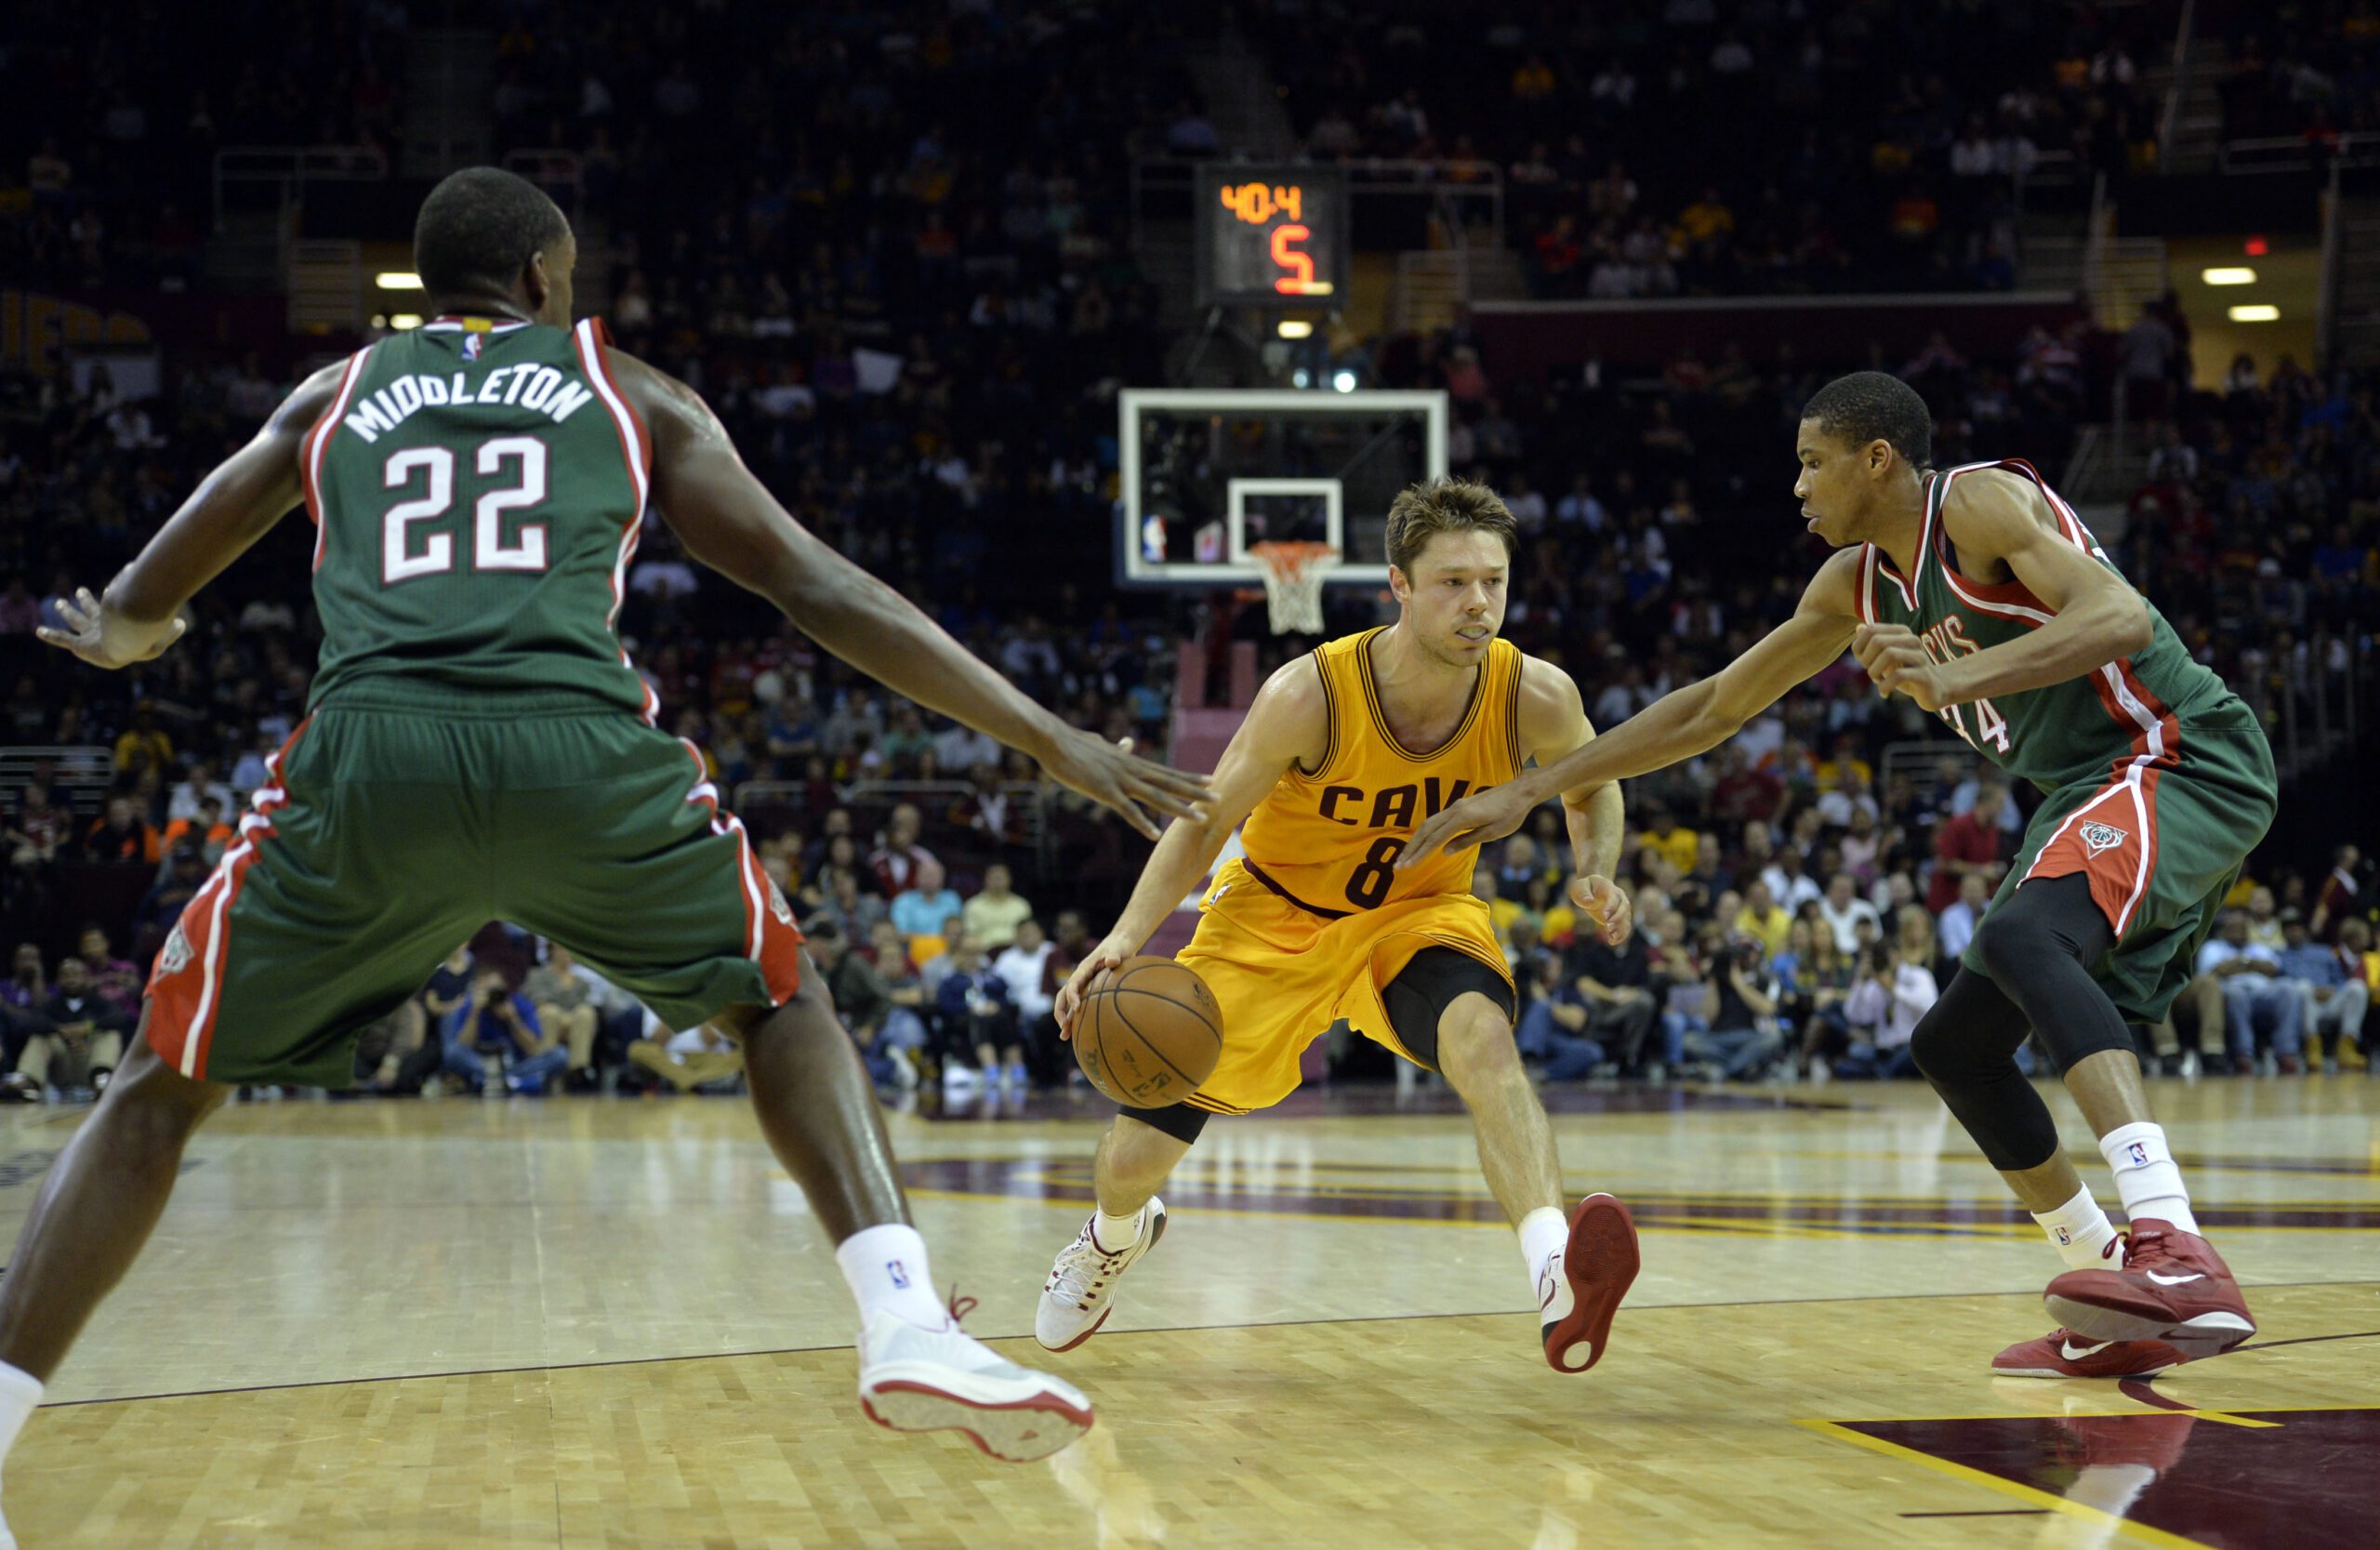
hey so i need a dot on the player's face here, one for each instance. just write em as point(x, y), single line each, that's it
point(1834, 485)
point(1454, 596)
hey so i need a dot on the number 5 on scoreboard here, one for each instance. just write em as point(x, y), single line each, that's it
point(1299, 281)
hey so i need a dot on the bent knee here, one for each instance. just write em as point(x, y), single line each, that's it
point(1476, 1041)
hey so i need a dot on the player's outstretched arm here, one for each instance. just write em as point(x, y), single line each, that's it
point(1678, 725)
point(733, 524)
point(1287, 724)
point(135, 618)
point(1553, 724)
point(1992, 514)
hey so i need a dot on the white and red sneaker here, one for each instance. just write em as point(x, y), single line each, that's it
point(2064, 1353)
point(918, 1380)
point(1080, 1291)
point(1579, 1289)
point(2173, 1289)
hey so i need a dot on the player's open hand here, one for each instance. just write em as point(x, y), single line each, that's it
point(1108, 775)
point(1091, 976)
point(1604, 902)
point(103, 638)
point(1474, 820)
point(1896, 658)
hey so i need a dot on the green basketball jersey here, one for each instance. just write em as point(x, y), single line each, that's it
point(477, 492)
point(2130, 713)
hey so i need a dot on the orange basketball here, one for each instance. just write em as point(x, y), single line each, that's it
point(1152, 1036)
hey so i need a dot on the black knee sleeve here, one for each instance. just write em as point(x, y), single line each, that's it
point(1179, 1121)
point(1967, 1045)
point(2039, 948)
point(1422, 990)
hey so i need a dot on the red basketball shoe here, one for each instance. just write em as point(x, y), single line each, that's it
point(2173, 1288)
point(1598, 1265)
point(2064, 1353)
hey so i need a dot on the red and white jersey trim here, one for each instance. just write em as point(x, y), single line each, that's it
point(309, 448)
point(636, 449)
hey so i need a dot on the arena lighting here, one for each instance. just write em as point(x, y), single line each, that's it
point(398, 280)
point(405, 320)
point(1344, 381)
point(2256, 247)
point(2229, 276)
point(2255, 313)
point(1295, 328)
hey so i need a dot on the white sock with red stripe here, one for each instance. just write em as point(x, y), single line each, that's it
point(1544, 1233)
point(2080, 1231)
point(886, 1267)
point(19, 1392)
point(2146, 1175)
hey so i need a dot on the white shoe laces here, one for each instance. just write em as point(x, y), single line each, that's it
point(1083, 1271)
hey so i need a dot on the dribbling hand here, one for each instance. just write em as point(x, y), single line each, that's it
point(1091, 976)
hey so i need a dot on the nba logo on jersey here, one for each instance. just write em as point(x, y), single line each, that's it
point(2103, 837)
point(473, 344)
point(2139, 1154)
point(899, 1273)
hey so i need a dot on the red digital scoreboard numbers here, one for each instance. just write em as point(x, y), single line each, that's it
point(1272, 235)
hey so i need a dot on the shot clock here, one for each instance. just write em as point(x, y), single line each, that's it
point(1272, 235)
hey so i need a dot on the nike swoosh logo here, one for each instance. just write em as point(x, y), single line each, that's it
point(2071, 1352)
point(2172, 1280)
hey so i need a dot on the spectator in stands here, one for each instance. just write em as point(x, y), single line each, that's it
point(895, 860)
point(564, 999)
point(2256, 995)
point(975, 1002)
point(1843, 909)
point(122, 835)
point(1552, 1029)
point(38, 829)
point(1616, 986)
point(207, 831)
point(2334, 1002)
point(1763, 918)
point(1955, 926)
point(2264, 920)
point(2341, 891)
point(142, 747)
point(394, 1055)
point(1024, 965)
point(22, 995)
point(117, 981)
point(494, 1028)
point(1737, 1037)
point(84, 1037)
point(195, 790)
point(993, 915)
point(1680, 847)
point(864, 1003)
point(1886, 1000)
point(921, 909)
point(161, 906)
point(1968, 844)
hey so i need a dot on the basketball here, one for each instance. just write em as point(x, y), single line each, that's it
point(1152, 1036)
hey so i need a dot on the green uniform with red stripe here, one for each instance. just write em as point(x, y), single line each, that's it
point(478, 747)
point(2157, 778)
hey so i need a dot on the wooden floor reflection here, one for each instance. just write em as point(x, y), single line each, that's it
point(589, 1324)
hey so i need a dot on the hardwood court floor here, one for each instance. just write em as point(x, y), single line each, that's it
point(587, 1323)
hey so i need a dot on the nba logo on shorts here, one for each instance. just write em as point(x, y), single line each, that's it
point(2139, 1155)
point(898, 1272)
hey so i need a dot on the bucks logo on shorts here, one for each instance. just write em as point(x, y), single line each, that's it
point(2103, 837)
point(174, 957)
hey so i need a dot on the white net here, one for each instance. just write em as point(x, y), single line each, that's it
point(1293, 576)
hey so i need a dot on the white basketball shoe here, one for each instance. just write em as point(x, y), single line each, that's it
point(1080, 1291)
point(920, 1380)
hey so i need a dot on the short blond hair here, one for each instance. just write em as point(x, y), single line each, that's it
point(1421, 511)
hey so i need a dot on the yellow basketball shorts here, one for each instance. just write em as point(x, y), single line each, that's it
point(1283, 974)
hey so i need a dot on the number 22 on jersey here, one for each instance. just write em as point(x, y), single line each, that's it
point(511, 472)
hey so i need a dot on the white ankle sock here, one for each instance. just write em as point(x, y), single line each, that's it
point(1118, 1232)
point(19, 1392)
point(2146, 1175)
point(1544, 1232)
point(886, 1267)
point(2080, 1231)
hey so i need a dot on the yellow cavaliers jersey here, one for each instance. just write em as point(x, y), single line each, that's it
point(1329, 841)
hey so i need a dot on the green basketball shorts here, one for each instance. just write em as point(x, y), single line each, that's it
point(2160, 840)
point(396, 823)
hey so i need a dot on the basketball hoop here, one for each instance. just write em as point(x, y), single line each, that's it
point(1293, 578)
